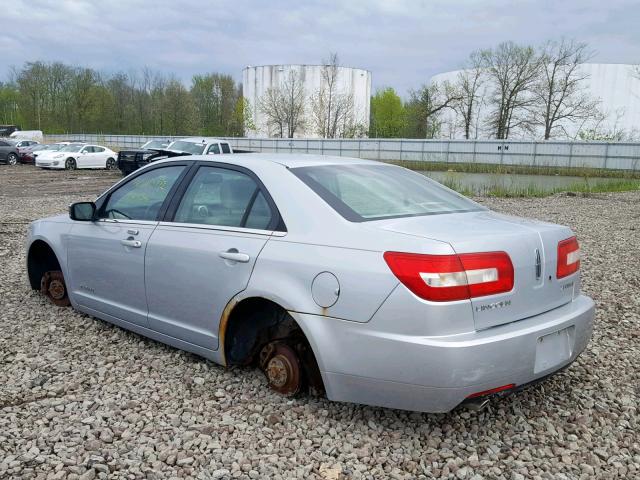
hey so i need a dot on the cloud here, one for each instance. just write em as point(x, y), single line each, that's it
point(403, 43)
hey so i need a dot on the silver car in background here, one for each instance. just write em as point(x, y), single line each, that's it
point(368, 281)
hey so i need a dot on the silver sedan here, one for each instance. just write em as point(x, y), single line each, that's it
point(366, 281)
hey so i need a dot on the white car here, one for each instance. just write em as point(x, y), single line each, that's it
point(78, 155)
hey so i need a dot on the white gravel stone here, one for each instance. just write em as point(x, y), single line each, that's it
point(83, 399)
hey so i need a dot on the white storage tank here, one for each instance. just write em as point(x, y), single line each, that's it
point(616, 86)
point(351, 83)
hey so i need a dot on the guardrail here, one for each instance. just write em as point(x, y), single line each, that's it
point(603, 155)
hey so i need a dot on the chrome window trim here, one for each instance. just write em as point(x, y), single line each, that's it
point(127, 222)
point(222, 228)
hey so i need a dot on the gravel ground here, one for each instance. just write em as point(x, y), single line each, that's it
point(82, 399)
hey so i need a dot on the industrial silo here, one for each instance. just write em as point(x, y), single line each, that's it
point(352, 87)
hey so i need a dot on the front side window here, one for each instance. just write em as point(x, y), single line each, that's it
point(142, 197)
point(223, 197)
point(214, 149)
point(374, 192)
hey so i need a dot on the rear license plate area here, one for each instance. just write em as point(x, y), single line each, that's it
point(554, 348)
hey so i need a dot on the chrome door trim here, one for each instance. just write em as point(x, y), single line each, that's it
point(126, 222)
point(222, 228)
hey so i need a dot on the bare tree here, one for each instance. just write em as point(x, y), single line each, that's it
point(333, 112)
point(470, 88)
point(558, 92)
point(513, 70)
point(424, 108)
point(284, 106)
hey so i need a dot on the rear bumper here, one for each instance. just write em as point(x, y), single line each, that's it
point(435, 374)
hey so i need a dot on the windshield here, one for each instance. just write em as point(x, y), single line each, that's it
point(373, 192)
point(72, 148)
point(154, 144)
point(188, 147)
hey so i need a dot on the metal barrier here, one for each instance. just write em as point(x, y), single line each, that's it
point(602, 155)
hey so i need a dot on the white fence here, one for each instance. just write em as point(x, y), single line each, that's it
point(605, 155)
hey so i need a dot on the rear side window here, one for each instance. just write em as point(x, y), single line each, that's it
point(142, 197)
point(224, 197)
point(374, 192)
point(98, 149)
point(225, 148)
point(260, 214)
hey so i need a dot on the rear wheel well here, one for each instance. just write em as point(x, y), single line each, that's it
point(255, 323)
point(40, 259)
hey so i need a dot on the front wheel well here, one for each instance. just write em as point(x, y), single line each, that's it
point(253, 324)
point(40, 259)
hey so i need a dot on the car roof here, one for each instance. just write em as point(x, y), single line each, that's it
point(200, 140)
point(289, 160)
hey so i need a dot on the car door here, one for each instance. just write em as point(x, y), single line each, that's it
point(214, 149)
point(4, 150)
point(196, 262)
point(99, 157)
point(106, 257)
point(83, 157)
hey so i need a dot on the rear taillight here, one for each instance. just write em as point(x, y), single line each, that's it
point(568, 257)
point(444, 278)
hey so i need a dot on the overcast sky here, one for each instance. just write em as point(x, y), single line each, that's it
point(401, 42)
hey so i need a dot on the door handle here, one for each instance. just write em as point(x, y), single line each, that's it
point(234, 256)
point(131, 243)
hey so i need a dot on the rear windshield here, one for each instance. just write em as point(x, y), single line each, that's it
point(373, 192)
point(187, 147)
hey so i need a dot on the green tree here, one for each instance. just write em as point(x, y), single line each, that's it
point(388, 114)
point(215, 97)
point(9, 109)
point(424, 108)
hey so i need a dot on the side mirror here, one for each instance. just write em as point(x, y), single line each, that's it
point(82, 211)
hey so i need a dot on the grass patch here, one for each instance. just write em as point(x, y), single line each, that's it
point(584, 172)
point(496, 188)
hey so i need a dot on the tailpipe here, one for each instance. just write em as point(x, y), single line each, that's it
point(477, 405)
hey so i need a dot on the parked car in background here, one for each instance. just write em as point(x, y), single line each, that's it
point(76, 155)
point(35, 135)
point(9, 151)
point(131, 160)
point(368, 280)
point(7, 130)
point(25, 146)
point(28, 154)
point(200, 146)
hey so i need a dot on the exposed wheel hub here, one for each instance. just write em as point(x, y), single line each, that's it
point(282, 368)
point(56, 289)
point(52, 285)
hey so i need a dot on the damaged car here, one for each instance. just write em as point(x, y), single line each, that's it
point(367, 281)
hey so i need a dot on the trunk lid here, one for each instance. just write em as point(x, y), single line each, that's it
point(531, 245)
